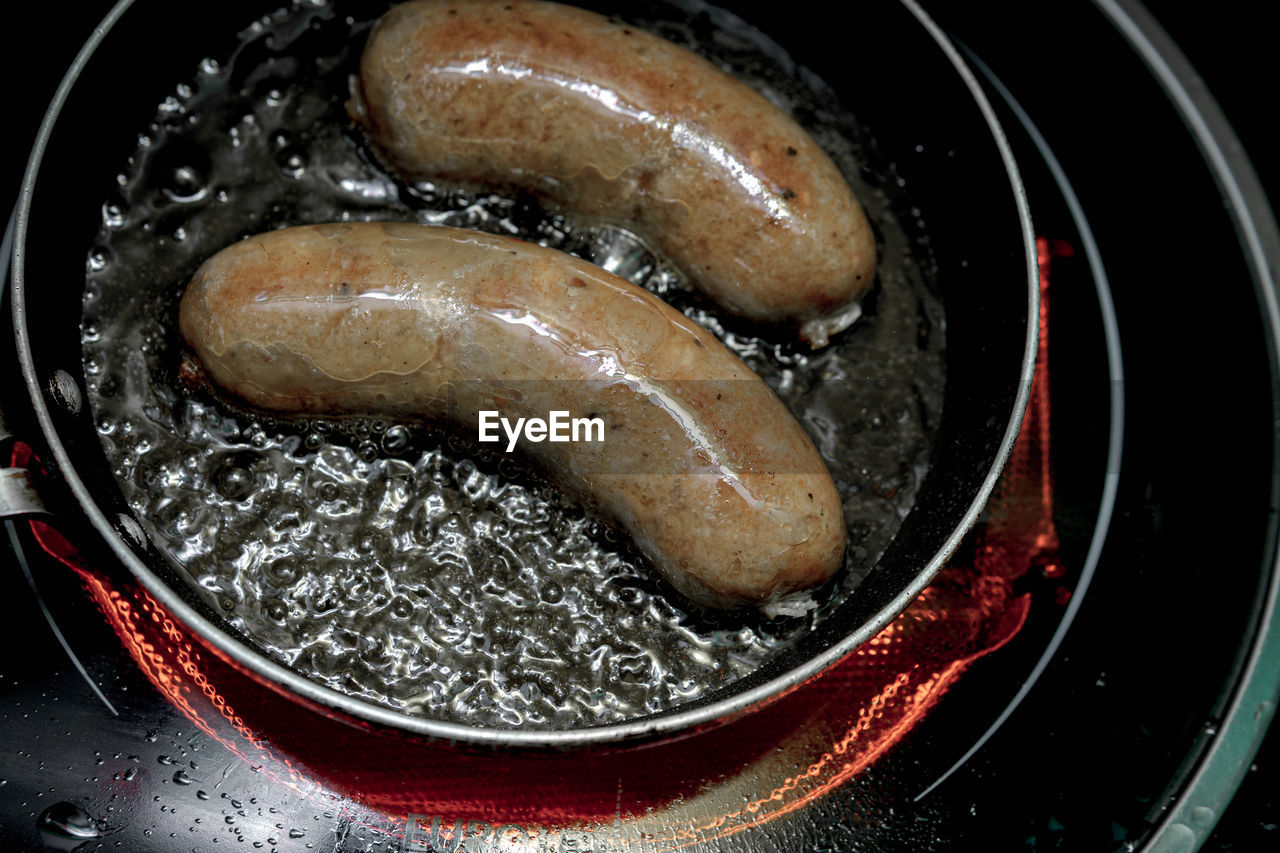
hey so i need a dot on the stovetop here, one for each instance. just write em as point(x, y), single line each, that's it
point(1082, 729)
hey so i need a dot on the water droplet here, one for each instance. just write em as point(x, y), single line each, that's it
point(203, 795)
point(297, 833)
point(180, 777)
point(1202, 817)
point(65, 826)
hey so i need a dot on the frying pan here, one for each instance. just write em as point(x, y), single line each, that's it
point(902, 78)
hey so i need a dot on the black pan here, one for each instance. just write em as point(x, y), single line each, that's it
point(901, 78)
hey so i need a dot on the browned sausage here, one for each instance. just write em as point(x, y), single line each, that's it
point(700, 462)
point(612, 122)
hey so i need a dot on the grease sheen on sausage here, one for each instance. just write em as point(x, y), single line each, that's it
point(613, 122)
point(701, 463)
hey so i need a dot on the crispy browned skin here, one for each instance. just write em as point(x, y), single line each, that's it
point(612, 122)
point(701, 463)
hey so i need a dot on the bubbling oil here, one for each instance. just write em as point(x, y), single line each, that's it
point(402, 563)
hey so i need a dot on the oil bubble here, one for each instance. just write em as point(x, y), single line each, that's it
point(65, 391)
point(284, 571)
point(97, 260)
point(233, 479)
point(276, 609)
point(113, 215)
point(131, 530)
point(184, 184)
point(395, 439)
point(292, 161)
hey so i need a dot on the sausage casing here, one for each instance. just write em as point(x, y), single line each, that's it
point(701, 463)
point(612, 122)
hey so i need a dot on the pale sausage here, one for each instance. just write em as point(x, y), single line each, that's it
point(612, 122)
point(700, 463)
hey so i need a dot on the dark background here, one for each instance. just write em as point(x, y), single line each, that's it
point(1235, 56)
point(1226, 41)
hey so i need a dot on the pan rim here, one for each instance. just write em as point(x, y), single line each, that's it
point(644, 729)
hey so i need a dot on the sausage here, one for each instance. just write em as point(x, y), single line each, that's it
point(611, 122)
point(701, 463)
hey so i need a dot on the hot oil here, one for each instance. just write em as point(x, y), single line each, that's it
point(399, 562)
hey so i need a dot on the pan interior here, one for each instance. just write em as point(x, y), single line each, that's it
point(872, 401)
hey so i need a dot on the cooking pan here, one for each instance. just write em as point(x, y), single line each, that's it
point(899, 76)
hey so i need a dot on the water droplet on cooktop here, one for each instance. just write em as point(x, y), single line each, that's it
point(66, 826)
